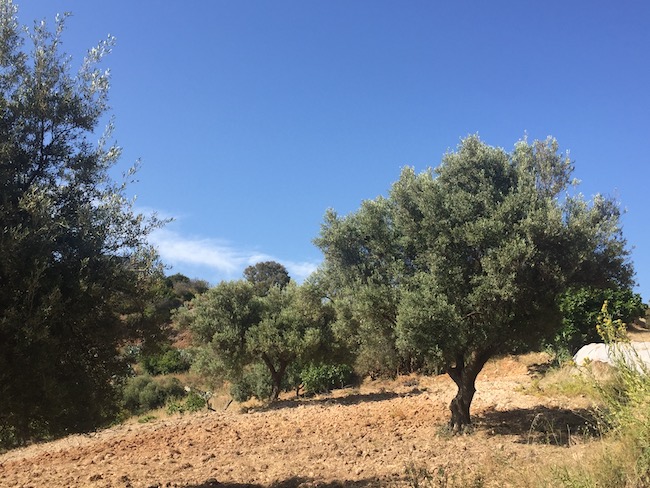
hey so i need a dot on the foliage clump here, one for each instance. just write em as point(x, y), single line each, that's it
point(320, 378)
point(169, 360)
point(143, 393)
point(193, 402)
point(255, 382)
point(580, 308)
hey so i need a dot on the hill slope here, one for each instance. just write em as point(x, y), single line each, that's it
point(383, 434)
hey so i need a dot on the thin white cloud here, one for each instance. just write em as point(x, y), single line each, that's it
point(217, 260)
point(209, 253)
point(161, 214)
point(300, 271)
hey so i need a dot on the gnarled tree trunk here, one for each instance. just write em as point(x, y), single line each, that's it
point(276, 375)
point(464, 375)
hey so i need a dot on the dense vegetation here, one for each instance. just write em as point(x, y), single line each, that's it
point(77, 276)
point(271, 323)
point(492, 252)
point(580, 308)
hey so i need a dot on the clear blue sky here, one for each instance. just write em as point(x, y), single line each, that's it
point(253, 117)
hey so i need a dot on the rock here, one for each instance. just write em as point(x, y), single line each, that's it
point(635, 354)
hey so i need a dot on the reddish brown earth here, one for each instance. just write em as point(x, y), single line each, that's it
point(382, 434)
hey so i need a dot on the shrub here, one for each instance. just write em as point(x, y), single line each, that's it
point(580, 308)
point(318, 378)
point(241, 391)
point(256, 382)
point(626, 418)
point(192, 403)
point(143, 393)
point(195, 402)
point(166, 362)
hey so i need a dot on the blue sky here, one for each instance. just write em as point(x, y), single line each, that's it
point(252, 118)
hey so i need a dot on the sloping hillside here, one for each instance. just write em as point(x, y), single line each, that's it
point(382, 434)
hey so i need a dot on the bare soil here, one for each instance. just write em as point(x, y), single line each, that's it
point(385, 433)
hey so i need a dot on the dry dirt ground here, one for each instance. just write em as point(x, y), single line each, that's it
point(381, 434)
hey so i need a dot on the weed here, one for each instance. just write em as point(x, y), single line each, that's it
point(418, 476)
point(146, 419)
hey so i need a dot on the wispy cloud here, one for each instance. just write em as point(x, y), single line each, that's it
point(217, 260)
point(300, 271)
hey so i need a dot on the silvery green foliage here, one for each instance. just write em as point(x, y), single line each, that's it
point(242, 327)
point(75, 263)
point(467, 261)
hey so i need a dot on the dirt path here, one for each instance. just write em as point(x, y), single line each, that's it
point(383, 434)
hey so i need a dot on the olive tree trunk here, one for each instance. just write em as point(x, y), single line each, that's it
point(464, 374)
point(276, 375)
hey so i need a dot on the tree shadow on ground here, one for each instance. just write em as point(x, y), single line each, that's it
point(294, 482)
point(539, 369)
point(541, 425)
point(352, 399)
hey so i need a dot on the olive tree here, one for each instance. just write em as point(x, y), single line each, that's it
point(75, 266)
point(238, 328)
point(467, 261)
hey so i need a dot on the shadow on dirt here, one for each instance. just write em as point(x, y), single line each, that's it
point(352, 399)
point(539, 369)
point(294, 482)
point(541, 425)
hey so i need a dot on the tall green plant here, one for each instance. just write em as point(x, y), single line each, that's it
point(240, 329)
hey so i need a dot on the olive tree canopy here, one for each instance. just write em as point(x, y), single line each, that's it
point(466, 262)
point(240, 326)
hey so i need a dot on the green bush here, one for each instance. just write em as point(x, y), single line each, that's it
point(256, 382)
point(192, 403)
point(241, 390)
point(166, 362)
point(318, 378)
point(143, 393)
point(580, 308)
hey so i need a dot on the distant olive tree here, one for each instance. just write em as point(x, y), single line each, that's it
point(182, 289)
point(240, 330)
point(266, 275)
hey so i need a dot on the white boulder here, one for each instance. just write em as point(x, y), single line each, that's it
point(635, 354)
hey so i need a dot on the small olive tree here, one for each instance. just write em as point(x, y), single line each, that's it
point(238, 328)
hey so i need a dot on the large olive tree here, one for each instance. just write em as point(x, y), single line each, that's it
point(467, 261)
point(75, 266)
